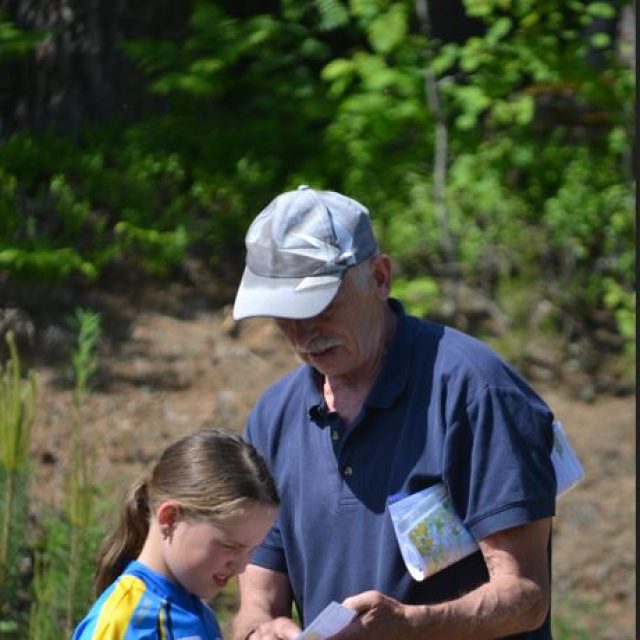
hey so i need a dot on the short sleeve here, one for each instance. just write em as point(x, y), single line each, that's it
point(497, 461)
point(270, 554)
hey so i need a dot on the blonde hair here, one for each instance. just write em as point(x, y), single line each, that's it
point(211, 474)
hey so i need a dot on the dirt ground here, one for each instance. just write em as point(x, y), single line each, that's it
point(182, 363)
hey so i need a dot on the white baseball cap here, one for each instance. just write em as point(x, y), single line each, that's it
point(298, 250)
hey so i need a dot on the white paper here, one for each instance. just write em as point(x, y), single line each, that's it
point(328, 622)
point(568, 469)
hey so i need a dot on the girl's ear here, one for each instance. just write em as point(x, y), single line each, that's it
point(168, 514)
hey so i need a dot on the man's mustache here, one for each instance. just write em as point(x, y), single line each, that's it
point(316, 345)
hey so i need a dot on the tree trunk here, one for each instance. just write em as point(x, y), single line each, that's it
point(79, 71)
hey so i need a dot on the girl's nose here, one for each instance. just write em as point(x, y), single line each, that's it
point(240, 562)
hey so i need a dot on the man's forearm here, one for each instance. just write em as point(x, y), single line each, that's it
point(494, 610)
point(499, 608)
point(514, 600)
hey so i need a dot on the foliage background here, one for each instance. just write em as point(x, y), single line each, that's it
point(491, 139)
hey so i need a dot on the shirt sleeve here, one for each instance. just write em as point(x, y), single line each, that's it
point(270, 553)
point(497, 461)
point(127, 612)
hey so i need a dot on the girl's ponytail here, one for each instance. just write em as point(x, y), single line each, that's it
point(126, 542)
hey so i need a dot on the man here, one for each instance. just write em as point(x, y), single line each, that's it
point(385, 403)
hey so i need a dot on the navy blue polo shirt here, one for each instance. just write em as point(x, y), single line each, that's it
point(444, 408)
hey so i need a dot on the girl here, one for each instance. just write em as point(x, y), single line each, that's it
point(183, 533)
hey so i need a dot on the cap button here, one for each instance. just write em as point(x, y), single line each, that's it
point(302, 187)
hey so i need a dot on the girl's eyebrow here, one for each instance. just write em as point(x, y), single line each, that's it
point(235, 544)
point(238, 544)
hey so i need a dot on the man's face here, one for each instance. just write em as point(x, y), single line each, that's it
point(347, 336)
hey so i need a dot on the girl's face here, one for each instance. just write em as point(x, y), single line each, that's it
point(203, 556)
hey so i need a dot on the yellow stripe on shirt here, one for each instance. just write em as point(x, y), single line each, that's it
point(117, 611)
point(163, 635)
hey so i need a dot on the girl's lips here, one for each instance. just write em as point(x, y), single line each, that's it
point(221, 581)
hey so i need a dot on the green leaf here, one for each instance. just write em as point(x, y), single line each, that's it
point(183, 83)
point(445, 59)
point(332, 14)
point(478, 8)
point(207, 65)
point(499, 29)
point(388, 31)
point(365, 9)
point(15, 42)
point(530, 20)
point(338, 68)
point(601, 10)
point(49, 265)
point(600, 40)
point(473, 99)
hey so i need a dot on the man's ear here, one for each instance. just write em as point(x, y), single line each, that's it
point(381, 269)
point(168, 514)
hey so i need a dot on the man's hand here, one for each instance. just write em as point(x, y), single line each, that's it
point(380, 618)
point(277, 629)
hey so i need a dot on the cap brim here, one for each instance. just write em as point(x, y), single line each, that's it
point(295, 298)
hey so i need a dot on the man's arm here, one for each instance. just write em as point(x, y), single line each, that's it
point(265, 606)
point(515, 599)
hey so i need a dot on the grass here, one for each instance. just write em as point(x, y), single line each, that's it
point(572, 619)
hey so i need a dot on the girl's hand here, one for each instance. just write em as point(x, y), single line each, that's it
point(277, 629)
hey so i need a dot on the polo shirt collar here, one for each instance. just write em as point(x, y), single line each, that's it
point(394, 373)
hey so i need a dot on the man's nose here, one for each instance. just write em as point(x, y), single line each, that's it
point(297, 328)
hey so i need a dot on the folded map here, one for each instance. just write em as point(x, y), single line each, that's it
point(328, 622)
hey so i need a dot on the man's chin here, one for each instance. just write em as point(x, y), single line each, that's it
point(328, 369)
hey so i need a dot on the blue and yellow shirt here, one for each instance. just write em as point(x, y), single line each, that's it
point(142, 604)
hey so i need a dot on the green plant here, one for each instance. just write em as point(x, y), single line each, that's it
point(79, 506)
point(41, 625)
point(80, 512)
point(158, 250)
point(17, 411)
point(419, 295)
point(84, 359)
point(63, 577)
point(15, 42)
